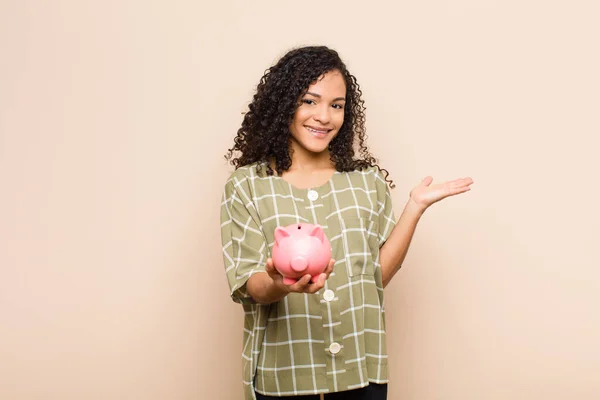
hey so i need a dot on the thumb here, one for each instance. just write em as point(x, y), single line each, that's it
point(427, 181)
point(269, 268)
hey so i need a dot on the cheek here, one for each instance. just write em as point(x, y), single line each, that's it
point(300, 117)
point(297, 124)
point(339, 119)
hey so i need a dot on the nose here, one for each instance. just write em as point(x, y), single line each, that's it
point(322, 114)
point(299, 264)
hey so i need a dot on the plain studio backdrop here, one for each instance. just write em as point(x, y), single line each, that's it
point(114, 119)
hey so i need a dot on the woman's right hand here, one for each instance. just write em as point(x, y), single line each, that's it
point(304, 285)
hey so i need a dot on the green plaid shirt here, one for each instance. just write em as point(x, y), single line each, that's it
point(330, 341)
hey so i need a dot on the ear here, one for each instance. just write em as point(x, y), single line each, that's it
point(317, 231)
point(280, 233)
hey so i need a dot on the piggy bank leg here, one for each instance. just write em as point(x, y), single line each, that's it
point(314, 278)
point(289, 281)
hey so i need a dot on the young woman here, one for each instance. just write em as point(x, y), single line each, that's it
point(296, 161)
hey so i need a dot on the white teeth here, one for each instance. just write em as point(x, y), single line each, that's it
point(316, 131)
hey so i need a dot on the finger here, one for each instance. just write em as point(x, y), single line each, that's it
point(459, 186)
point(466, 179)
point(269, 266)
point(457, 182)
point(301, 284)
point(329, 268)
point(272, 271)
point(464, 182)
point(459, 190)
point(321, 280)
point(307, 284)
point(318, 284)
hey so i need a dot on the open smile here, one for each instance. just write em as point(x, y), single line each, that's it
point(318, 132)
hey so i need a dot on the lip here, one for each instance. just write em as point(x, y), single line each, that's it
point(318, 132)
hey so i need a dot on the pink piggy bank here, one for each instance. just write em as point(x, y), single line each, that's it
point(300, 249)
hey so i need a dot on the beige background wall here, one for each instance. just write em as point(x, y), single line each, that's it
point(114, 116)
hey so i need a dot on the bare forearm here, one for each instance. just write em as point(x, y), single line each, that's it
point(263, 289)
point(393, 252)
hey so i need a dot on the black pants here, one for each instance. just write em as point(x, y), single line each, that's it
point(372, 392)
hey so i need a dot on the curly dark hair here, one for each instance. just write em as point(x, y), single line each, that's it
point(265, 131)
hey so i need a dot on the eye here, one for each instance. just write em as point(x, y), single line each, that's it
point(308, 101)
point(338, 106)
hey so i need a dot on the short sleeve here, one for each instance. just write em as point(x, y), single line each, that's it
point(244, 245)
point(386, 217)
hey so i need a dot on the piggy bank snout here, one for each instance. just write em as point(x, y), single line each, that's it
point(299, 264)
point(300, 249)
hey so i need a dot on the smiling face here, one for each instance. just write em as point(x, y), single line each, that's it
point(319, 116)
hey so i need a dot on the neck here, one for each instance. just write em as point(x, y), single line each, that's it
point(303, 160)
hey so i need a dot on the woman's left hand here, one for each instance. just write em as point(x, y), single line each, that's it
point(426, 194)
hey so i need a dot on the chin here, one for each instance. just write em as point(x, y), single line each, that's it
point(317, 149)
point(312, 145)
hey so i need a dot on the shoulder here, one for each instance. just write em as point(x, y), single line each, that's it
point(244, 174)
point(373, 173)
point(246, 180)
point(378, 179)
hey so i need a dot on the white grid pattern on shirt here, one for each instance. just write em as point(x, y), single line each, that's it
point(245, 196)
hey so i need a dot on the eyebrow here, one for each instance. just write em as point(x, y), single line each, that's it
point(319, 96)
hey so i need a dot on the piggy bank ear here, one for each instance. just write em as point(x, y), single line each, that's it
point(280, 233)
point(317, 231)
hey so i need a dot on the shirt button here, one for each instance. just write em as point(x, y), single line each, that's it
point(328, 295)
point(313, 195)
point(334, 348)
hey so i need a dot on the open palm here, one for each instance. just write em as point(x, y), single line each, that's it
point(426, 194)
